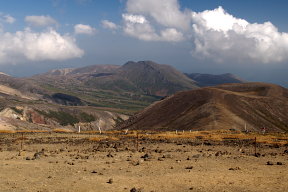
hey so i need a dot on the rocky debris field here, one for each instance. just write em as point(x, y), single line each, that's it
point(91, 162)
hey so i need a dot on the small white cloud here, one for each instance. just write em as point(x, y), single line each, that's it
point(32, 46)
point(40, 20)
point(84, 29)
point(6, 18)
point(134, 18)
point(9, 19)
point(109, 25)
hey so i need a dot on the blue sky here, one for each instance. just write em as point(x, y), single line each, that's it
point(247, 38)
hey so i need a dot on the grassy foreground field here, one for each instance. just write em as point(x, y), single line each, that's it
point(143, 161)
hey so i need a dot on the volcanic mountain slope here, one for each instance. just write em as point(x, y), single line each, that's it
point(146, 77)
point(204, 80)
point(228, 106)
point(131, 87)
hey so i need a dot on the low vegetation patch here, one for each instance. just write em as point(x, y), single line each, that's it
point(86, 118)
point(65, 118)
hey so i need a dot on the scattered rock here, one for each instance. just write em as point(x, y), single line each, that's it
point(257, 155)
point(269, 163)
point(71, 163)
point(218, 153)
point(135, 163)
point(167, 156)
point(158, 151)
point(39, 154)
point(280, 163)
point(136, 190)
point(110, 155)
point(36, 156)
point(189, 167)
point(110, 181)
point(147, 157)
point(196, 156)
point(234, 168)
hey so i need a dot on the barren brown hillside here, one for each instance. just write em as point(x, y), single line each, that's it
point(230, 106)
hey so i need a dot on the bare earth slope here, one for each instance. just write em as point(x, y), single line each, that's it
point(229, 106)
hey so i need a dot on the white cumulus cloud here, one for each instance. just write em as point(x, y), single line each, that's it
point(216, 35)
point(165, 12)
point(222, 37)
point(109, 25)
point(84, 29)
point(139, 27)
point(218, 20)
point(40, 20)
point(33, 46)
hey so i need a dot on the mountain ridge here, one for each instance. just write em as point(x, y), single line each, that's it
point(228, 106)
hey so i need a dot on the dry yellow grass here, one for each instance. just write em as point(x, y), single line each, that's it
point(32, 131)
point(62, 131)
point(96, 138)
point(7, 131)
point(219, 135)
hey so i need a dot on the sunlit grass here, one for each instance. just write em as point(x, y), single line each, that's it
point(219, 135)
point(62, 131)
point(7, 131)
